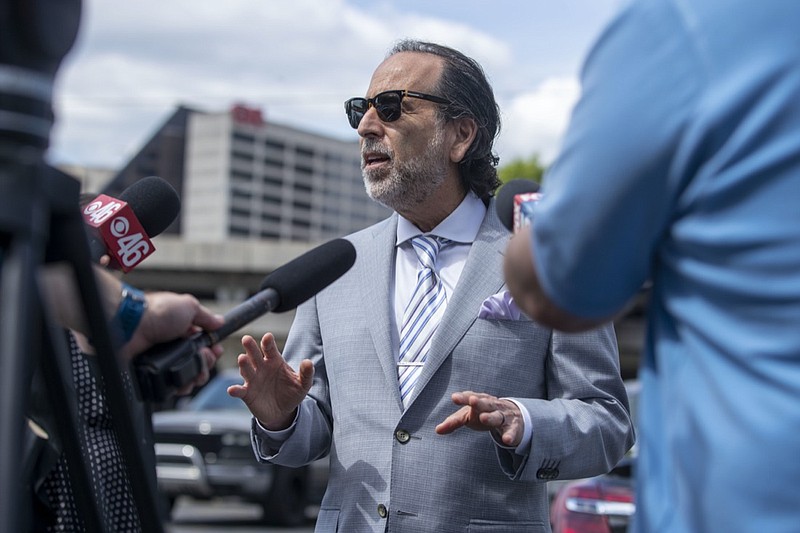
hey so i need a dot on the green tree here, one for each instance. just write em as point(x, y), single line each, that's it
point(521, 168)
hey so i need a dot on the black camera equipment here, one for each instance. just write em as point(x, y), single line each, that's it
point(40, 223)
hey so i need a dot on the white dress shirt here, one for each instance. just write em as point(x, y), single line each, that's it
point(461, 227)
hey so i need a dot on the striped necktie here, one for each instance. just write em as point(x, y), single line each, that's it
point(422, 314)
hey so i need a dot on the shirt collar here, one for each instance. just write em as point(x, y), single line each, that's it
point(460, 226)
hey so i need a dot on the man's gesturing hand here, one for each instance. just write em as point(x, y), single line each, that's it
point(272, 390)
point(483, 412)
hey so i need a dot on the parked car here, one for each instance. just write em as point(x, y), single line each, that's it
point(602, 504)
point(203, 450)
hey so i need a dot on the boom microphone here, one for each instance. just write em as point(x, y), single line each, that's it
point(122, 227)
point(514, 199)
point(169, 366)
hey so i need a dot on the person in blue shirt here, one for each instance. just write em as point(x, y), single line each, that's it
point(681, 166)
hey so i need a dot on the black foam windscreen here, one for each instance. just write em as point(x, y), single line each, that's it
point(300, 279)
point(154, 202)
point(504, 206)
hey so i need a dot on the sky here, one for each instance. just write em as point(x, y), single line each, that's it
point(133, 63)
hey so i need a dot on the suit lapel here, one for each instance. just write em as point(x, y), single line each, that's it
point(482, 276)
point(378, 256)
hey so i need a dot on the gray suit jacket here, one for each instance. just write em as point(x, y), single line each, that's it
point(389, 470)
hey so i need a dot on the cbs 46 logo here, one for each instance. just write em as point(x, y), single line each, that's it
point(132, 248)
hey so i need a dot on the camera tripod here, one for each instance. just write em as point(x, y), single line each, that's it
point(41, 226)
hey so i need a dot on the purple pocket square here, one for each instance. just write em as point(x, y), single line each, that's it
point(500, 306)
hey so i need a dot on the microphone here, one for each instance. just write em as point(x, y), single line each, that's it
point(289, 286)
point(122, 227)
point(515, 201)
point(169, 366)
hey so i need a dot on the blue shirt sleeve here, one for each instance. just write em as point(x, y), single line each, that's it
point(609, 195)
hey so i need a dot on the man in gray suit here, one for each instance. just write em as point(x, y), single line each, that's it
point(549, 406)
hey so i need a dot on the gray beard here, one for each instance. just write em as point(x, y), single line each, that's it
point(404, 185)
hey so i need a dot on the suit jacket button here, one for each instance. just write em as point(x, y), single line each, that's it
point(382, 511)
point(402, 436)
point(547, 473)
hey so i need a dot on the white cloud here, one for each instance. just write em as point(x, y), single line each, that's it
point(534, 121)
point(296, 59)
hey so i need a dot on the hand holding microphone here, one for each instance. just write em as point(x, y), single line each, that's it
point(170, 366)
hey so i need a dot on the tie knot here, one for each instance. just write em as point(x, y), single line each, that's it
point(427, 248)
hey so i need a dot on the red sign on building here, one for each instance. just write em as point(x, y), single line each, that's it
point(247, 115)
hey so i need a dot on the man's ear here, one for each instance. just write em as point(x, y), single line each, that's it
point(465, 129)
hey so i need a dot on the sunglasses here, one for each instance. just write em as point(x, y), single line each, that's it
point(387, 104)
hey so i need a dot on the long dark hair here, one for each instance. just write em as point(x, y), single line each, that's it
point(464, 83)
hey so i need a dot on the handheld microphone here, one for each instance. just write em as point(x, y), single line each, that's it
point(169, 366)
point(122, 227)
point(515, 201)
